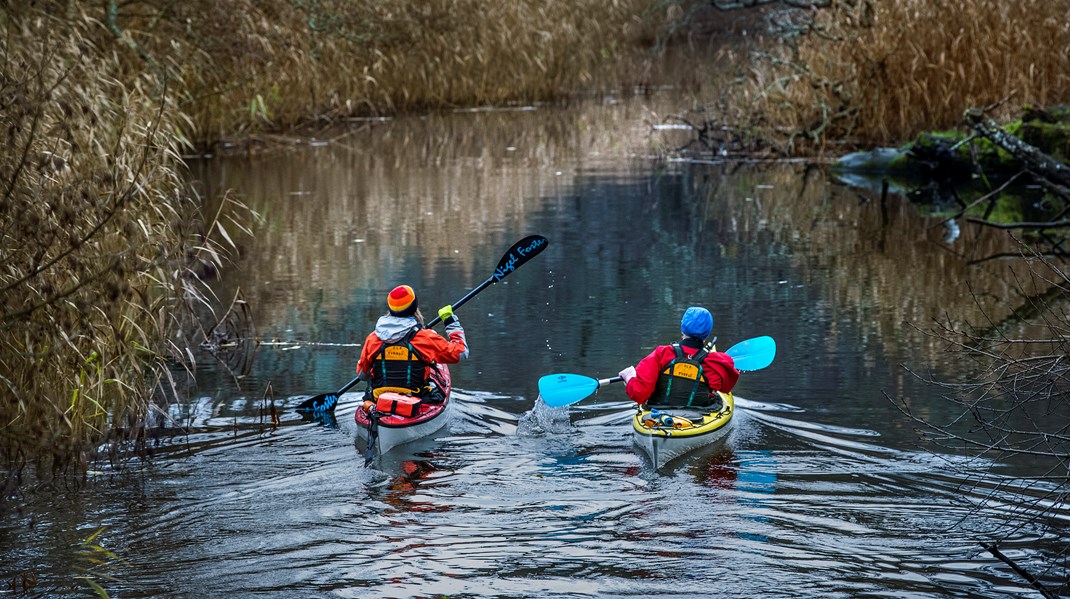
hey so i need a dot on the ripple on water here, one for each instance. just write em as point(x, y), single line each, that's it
point(556, 502)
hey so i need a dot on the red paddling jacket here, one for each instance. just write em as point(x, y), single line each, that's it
point(670, 376)
point(400, 352)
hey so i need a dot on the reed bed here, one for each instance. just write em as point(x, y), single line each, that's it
point(246, 66)
point(875, 72)
point(103, 247)
point(100, 244)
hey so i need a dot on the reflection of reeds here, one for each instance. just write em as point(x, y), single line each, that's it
point(879, 71)
point(346, 216)
point(456, 187)
point(877, 263)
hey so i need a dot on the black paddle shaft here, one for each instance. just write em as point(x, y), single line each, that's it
point(522, 251)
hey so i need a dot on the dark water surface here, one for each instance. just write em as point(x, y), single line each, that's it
point(820, 490)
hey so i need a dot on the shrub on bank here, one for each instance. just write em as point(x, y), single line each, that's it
point(98, 239)
point(878, 72)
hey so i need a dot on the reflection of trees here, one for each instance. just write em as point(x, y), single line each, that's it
point(1014, 407)
point(405, 200)
point(880, 262)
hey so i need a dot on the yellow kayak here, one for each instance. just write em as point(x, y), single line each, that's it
point(665, 434)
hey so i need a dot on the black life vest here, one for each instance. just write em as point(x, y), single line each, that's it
point(398, 364)
point(683, 381)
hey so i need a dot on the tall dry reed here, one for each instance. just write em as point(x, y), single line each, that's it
point(101, 241)
point(248, 65)
point(98, 240)
point(880, 71)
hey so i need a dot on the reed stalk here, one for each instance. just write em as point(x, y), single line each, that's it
point(103, 247)
point(100, 243)
point(877, 72)
point(247, 66)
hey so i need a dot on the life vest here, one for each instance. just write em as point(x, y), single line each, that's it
point(683, 381)
point(399, 366)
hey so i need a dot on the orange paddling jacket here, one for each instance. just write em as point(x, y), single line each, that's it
point(400, 352)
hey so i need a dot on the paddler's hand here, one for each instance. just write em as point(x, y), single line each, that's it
point(446, 314)
point(627, 374)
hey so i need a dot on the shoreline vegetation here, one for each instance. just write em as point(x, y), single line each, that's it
point(866, 73)
point(106, 250)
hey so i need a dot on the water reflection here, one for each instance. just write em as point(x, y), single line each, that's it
point(820, 489)
point(757, 478)
point(403, 489)
point(491, 508)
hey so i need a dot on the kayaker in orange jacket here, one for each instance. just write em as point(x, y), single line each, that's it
point(400, 352)
point(685, 373)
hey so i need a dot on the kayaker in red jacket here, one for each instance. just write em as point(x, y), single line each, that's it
point(400, 352)
point(671, 375)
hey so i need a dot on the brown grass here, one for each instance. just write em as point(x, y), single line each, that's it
point(98, 243)
point(102, 245)
point(247, 65)
point(879, 71)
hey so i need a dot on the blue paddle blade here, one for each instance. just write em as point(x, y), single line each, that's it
point(753, 354)
point(564, 389)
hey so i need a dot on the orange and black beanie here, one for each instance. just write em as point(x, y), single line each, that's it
point(401, 301)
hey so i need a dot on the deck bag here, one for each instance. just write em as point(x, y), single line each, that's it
point(659, 419)
point(395, 403)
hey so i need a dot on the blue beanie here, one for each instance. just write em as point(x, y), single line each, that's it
point(697, 322)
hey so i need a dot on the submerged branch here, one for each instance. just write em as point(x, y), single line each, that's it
point(1038, 225)
point(991, 548)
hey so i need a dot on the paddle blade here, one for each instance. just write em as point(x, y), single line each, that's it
point(753, 354)
point(564, 389)
point(323, 402)
point(372, 450)
point(522, 251)
point(518, 255)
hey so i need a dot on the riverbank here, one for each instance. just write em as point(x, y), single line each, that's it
point(857, 75)
point(106, 247)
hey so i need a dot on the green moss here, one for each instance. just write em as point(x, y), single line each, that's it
point(953, 153)
point(1008, 209)
point(1052, 138)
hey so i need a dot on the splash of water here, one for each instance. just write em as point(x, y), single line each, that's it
point(543, 420)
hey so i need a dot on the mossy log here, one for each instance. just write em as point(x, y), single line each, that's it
point(1039, 142)
point(1030, 156)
